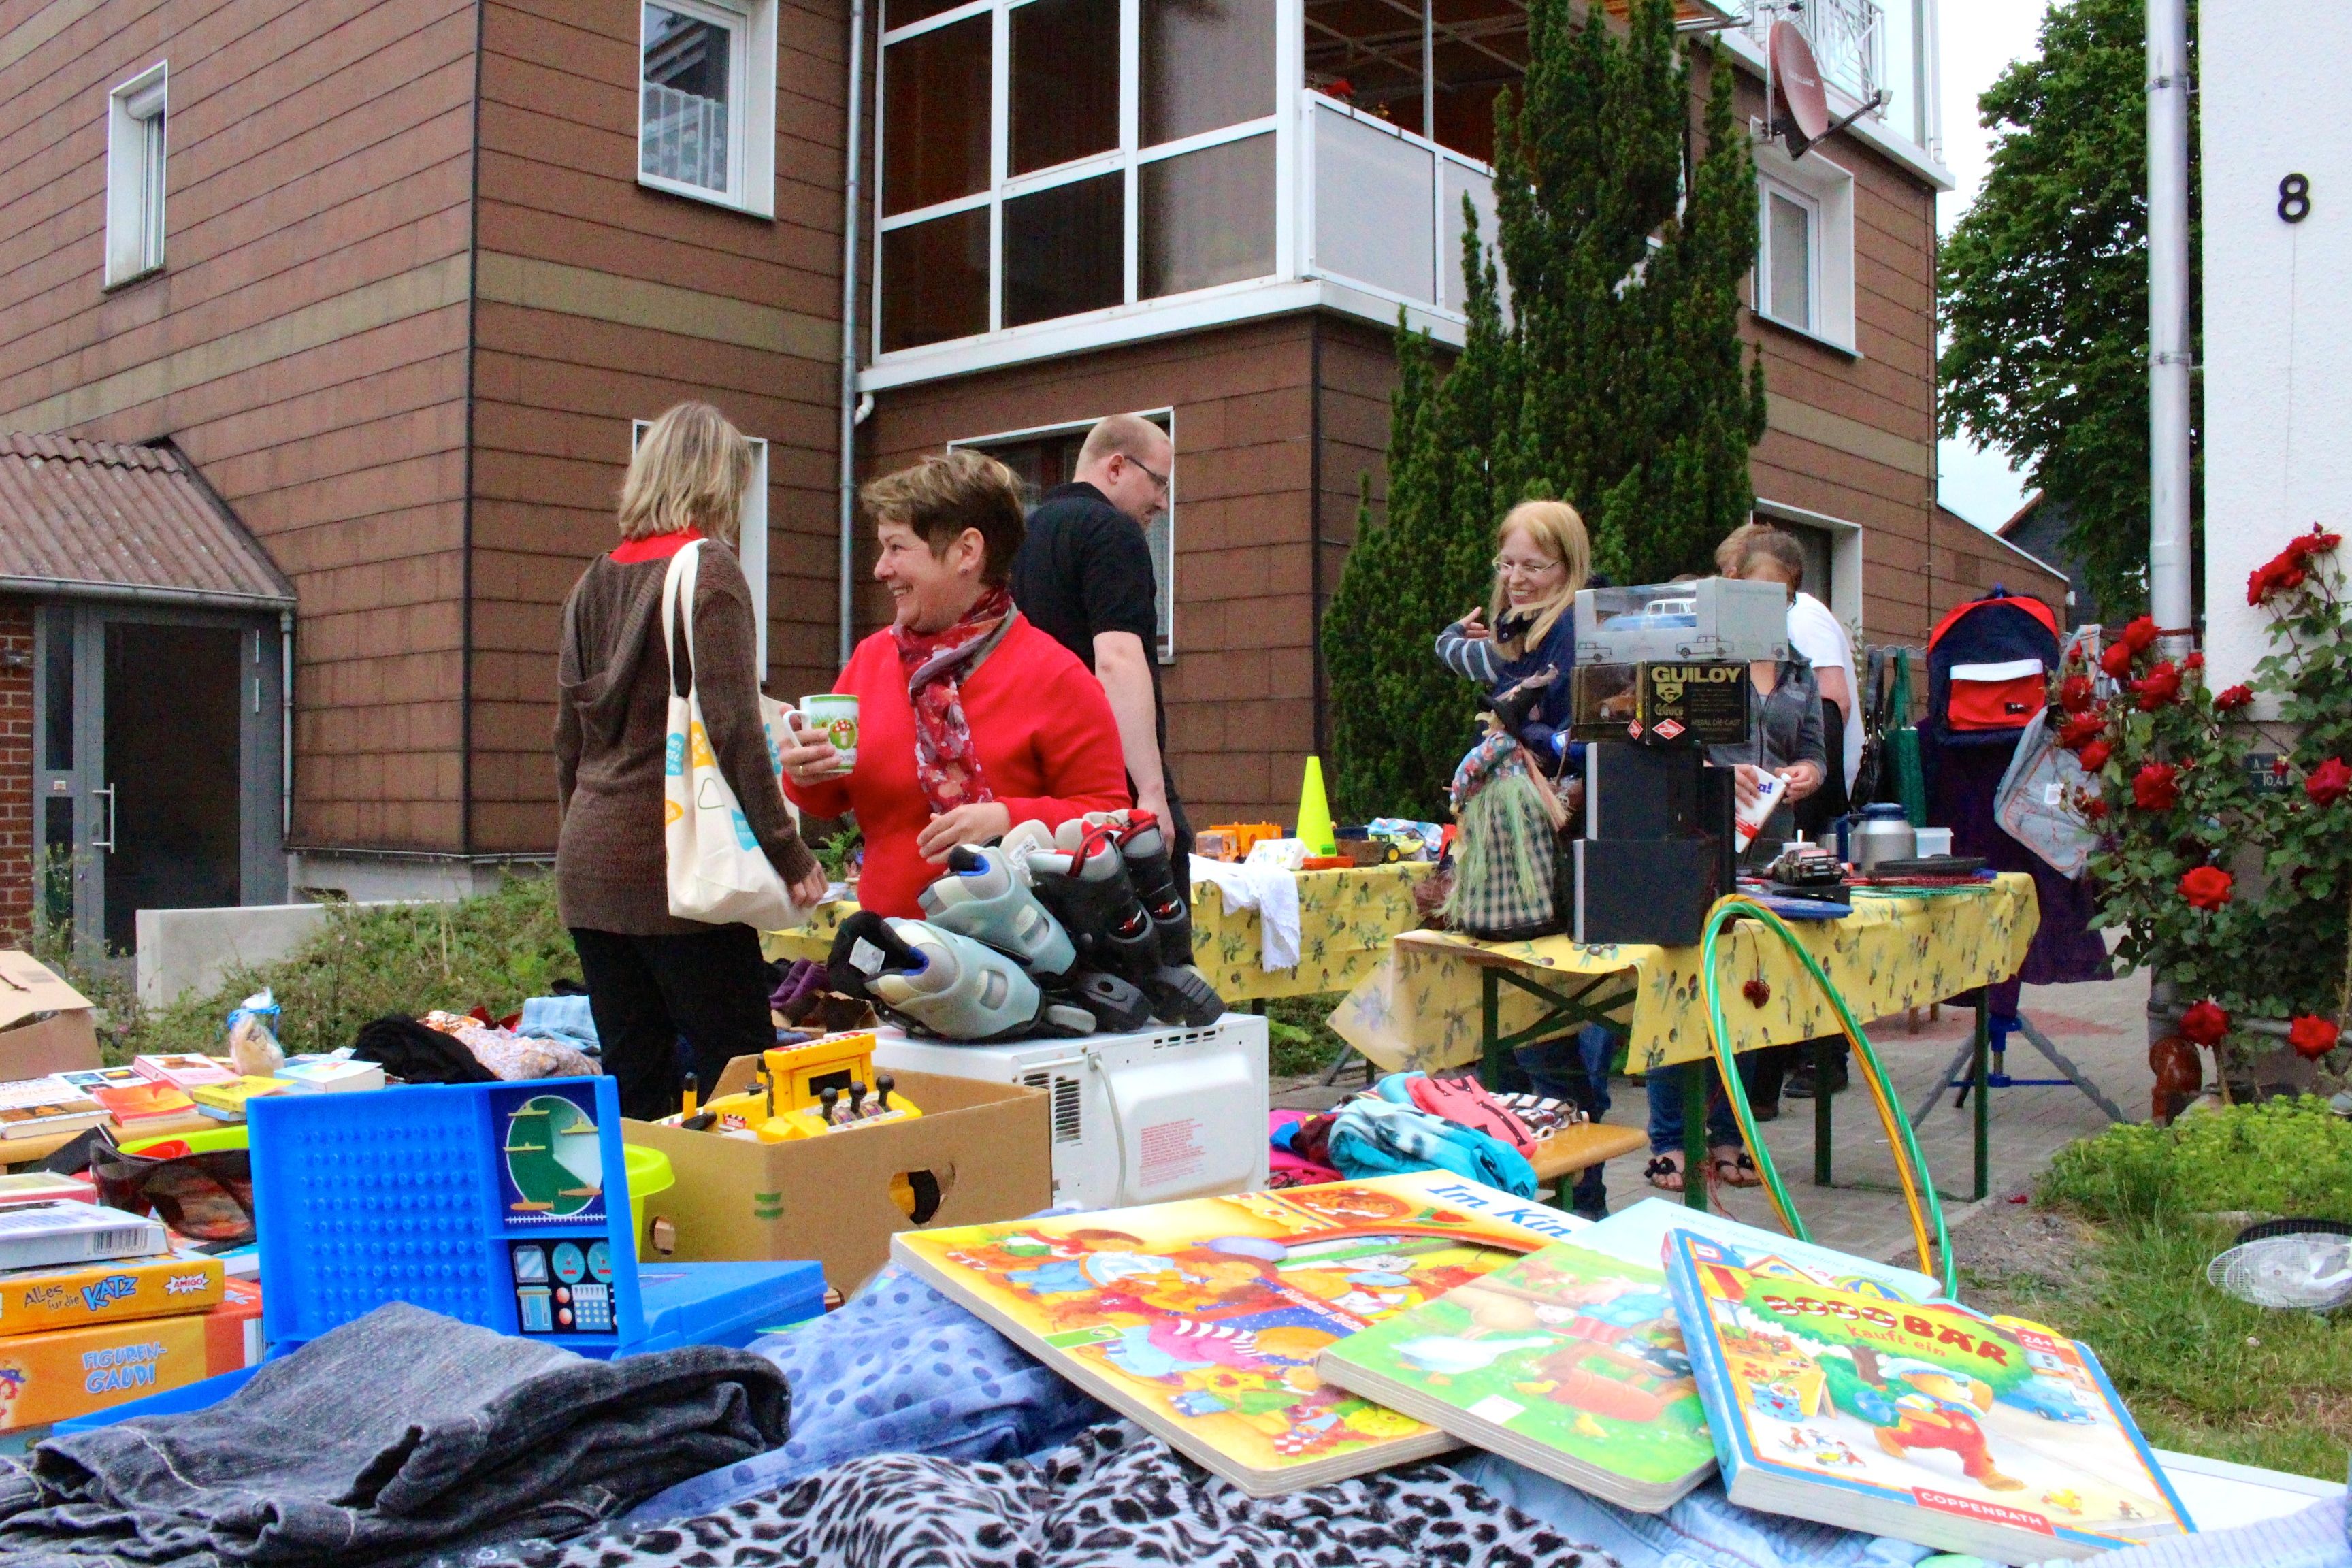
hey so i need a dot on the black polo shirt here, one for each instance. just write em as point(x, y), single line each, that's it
point(1086, 568)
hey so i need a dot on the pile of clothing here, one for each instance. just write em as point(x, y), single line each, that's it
point(472, 1047)
point(1419, 1121)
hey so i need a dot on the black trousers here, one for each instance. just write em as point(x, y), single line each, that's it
point(651, 994)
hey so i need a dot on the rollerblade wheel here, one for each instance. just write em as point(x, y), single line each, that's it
point(1184, 996)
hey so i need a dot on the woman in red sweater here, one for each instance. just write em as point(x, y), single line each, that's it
point(970, 719)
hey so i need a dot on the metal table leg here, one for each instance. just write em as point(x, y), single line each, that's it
point(1977, 1077)
point(1823, 1135)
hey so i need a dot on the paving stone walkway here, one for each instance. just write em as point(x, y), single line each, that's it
point(2102, 1027)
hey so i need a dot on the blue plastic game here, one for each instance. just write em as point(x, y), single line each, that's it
point(500, 1204)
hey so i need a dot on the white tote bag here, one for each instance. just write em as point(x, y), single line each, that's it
point(717, 871)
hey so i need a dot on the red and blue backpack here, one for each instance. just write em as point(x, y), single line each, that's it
point(1988, 668)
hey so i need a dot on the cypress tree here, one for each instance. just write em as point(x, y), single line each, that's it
point(1619, 383)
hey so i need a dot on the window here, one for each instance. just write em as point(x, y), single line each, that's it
point(1049, 159)
point(1043, 459)
point(1786, 257)
point(135, 176)
point(751, 542)
point(706, 101)
point(1804, 246)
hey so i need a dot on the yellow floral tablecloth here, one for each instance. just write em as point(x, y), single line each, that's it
point(1421, 1008)
point(1345, 921)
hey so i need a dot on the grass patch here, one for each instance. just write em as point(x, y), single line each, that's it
point(492, 950)
point(2202, 1372)
point(2290, 1155)
point(1298, 1039)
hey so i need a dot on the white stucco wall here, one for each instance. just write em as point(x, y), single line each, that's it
point(2275, 99)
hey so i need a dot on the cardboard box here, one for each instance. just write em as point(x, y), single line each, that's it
point(72, 1295)
point(989, 1147)
point(50, 1377)
point(45, 1023)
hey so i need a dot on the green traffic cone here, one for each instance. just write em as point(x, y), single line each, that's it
point(1315, 813)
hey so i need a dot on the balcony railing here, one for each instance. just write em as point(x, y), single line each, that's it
point(685, 138)
point(1381, 207)
point(1848, 37)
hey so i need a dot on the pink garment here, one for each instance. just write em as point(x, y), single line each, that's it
point(1284, 1169)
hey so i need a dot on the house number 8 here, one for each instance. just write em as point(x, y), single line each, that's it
point(2294, 198)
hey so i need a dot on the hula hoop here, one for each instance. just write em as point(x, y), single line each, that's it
point(1910, 1166)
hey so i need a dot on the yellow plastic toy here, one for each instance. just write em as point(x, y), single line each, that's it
point(809, 1089)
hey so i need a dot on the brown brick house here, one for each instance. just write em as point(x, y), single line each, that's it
point(395, 279)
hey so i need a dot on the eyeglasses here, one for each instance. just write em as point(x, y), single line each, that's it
point(1507, 568)
point(1159, 479)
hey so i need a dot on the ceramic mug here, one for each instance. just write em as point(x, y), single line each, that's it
point(833, 715)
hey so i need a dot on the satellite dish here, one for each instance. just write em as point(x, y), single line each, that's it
point(1802, 110)
point(2294, 1264)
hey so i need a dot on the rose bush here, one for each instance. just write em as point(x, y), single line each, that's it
point(2229, 881)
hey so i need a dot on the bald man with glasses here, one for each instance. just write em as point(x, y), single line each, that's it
point(1083, 577)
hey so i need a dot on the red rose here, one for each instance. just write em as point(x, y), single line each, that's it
point(2231, 699)
point(2094, 808)
point(2080, 730)
point(2075, 695)
point(2329, 783)
point(2095, 756)
point(2281, 574)
point(2118, 660)
point(2194, 661)
point(2313, 1037)
point(2156, 787)
point(2205, 1023)
point(2303, 546)
point(2160, 687)
point(2141, 635)
point(2206, 887)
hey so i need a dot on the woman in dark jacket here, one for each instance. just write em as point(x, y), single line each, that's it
point(651, 976)
point(1525, 659)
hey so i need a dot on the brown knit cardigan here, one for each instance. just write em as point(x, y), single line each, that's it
point(611, 726)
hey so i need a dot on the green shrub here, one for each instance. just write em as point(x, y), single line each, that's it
point(493, 949)
point(2284, 1156)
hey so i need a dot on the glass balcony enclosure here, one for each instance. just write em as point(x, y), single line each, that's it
point(1062, 175)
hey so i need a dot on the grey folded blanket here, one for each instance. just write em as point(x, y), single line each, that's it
point(397, 1434)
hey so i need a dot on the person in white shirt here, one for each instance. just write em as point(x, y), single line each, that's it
point(1760, 553)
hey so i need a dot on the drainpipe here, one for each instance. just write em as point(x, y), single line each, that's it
point(285, 726)
point(852, 412)
point(2168, 323)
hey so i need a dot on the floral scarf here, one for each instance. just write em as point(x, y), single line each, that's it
point(947, 764)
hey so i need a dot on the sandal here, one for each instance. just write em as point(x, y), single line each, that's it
point(1731, 1167)
point(1665, 1171)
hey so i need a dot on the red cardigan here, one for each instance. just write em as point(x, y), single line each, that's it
point(1048, 748)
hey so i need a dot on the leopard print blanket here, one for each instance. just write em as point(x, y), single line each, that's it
point(1113, 1498)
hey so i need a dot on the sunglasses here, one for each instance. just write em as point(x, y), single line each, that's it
point(205, 1197)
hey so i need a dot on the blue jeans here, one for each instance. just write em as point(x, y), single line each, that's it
point(1667, 1111)
point(1576, 1070)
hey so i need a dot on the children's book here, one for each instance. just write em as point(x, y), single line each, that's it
point(1202, 1319)
point(89, 1079)
point(185, 1069)
point(136, 1106)
point(36, 1107)
point(1638, 1233)
point(1928, 1422)
point(1569, 1362)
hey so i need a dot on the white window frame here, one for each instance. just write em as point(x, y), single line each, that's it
point(1826, 190)
point(1846, 540)
point(752, 538)
point(1125, 159)
point(751, 104)
point(1166, 419)
point(138, 129)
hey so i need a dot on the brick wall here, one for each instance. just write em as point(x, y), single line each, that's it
point(15, 768)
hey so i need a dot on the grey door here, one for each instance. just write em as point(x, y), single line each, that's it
point(157, 771)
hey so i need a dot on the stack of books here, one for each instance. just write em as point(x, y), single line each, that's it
point(98, 1308)
point(1289, 1338)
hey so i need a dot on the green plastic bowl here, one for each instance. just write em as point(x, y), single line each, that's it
point(649, 1171)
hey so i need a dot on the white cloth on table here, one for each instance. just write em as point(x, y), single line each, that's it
point(1272, 892)
point(1820, 637)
